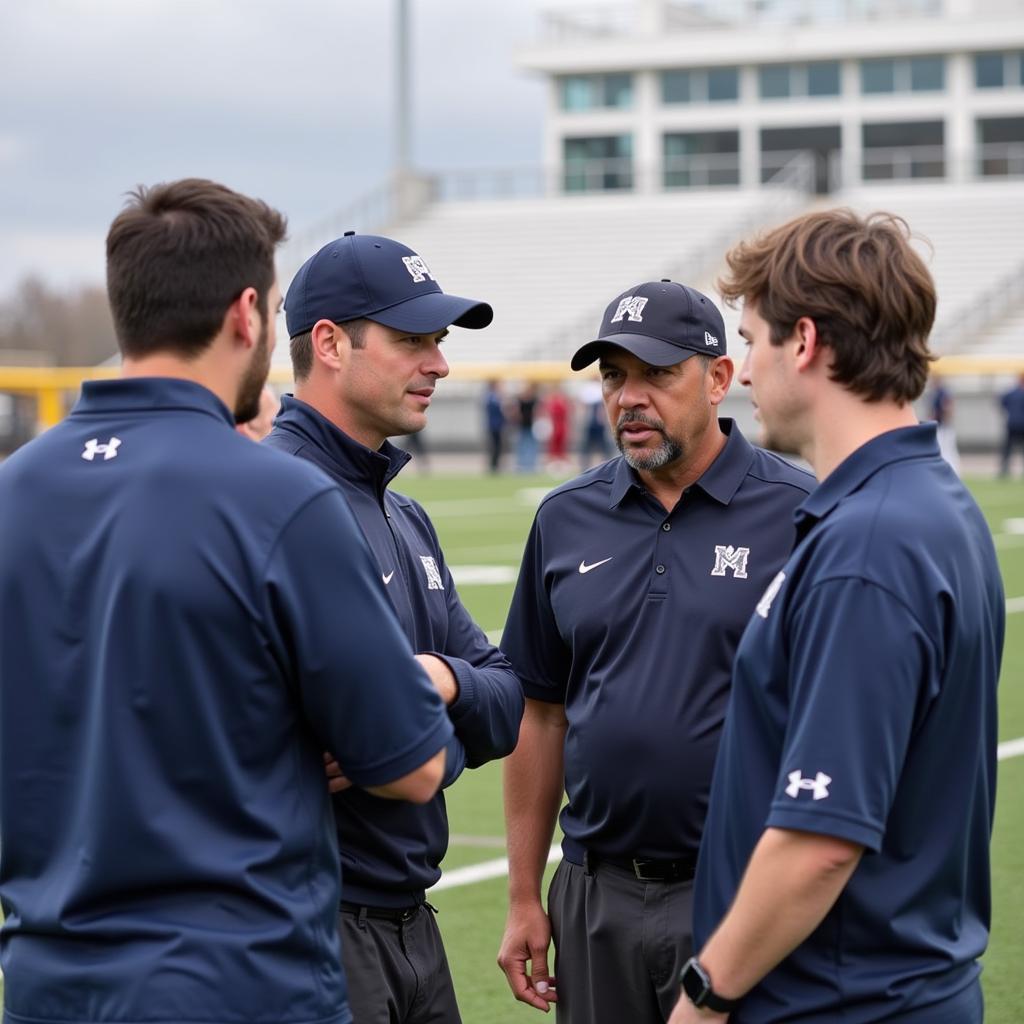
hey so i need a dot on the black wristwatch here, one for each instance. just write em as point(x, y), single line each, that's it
point(697, 986)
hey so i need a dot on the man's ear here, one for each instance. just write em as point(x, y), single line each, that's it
point(243, 317)
point(720, 374)
point(808, 347)
point(330, 344)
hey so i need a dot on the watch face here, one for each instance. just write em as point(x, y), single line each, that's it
point(695, 981)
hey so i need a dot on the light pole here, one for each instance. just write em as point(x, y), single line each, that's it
point(403, 95)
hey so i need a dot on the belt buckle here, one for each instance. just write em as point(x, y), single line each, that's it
point(408, 914)
point(640, 870)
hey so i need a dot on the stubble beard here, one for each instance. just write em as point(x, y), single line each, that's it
point(646, 460)
point(247, 405)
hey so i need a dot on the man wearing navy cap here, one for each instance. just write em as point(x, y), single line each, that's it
point(844, 870)
point(366, 319)
point(636, 583)
point(187, 620)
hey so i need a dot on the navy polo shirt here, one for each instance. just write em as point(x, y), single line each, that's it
point(187, 620)
point(630, 616)
point(391, 851)
point(864, 707)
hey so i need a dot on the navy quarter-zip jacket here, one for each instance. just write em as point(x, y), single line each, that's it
point(391, 850)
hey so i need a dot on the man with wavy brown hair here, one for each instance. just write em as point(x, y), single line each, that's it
point(844, 869)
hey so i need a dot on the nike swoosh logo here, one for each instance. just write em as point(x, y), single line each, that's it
point(387, 579)
point(586, 568)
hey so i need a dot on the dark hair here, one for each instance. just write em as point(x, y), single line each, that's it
point(178, 255)
point(302, 345)
point(868, 292)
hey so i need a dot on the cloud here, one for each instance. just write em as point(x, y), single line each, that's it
point(291, 102)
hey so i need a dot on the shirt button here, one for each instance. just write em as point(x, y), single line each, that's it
point(659, 569)
point(666, 527)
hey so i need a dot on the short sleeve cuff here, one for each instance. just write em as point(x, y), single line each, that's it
point(826, 824)
point(536, 691)
point(381, 772)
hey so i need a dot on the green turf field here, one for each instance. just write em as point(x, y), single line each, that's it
point(484, 522)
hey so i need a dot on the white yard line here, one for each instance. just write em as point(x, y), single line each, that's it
point(1014, 604)
point(484, 575)
point(483, 872)
point(1011, 748)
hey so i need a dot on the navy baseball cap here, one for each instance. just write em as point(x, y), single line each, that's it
point(661, 322)
point(369, 277)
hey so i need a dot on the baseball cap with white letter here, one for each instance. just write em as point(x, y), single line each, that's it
point(374, 278)
point(660, 322)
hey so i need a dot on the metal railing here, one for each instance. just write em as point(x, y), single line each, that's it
point(785, 193)
point(399, 198)
point(600, 21)
point(1003, 296)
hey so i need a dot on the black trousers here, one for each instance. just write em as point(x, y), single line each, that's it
point(619, 944)
point(397, 971)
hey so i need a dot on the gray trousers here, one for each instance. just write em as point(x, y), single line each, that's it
point(397, 971)
point(619, 944)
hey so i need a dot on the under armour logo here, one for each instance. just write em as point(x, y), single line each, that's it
point(434, 581)
point(764, 606)
point(417, 268)
point(631, 307)
point(728, 557)
point(818, 785)
point(710, 339)
point(94, 448)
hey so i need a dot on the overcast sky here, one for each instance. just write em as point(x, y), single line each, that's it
point(288, 100)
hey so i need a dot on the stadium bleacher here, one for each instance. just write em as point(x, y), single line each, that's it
point(549, 265)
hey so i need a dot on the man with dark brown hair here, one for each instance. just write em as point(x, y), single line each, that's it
point(367, 320)
point(843, 872)
point(173, 662)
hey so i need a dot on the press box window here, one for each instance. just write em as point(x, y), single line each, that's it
point(594, 92)
point(906, 74)
point(701, 159)
point(999, 70)
point(598, 164)
point(781, 81)
point(700, 85)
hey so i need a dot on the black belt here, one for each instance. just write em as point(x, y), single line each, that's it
point(646, 869)
point(399, 914)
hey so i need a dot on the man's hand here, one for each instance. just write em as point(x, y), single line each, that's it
point(527, 938)
point(441, 676)
point(336, 781)
point(686, 1013)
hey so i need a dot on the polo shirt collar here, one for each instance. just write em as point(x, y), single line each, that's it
point(720, 481)
point(917, 442)
point(146, 394)
point(354, 462)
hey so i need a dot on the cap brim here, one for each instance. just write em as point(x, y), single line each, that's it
point(650, 350)
point(434, 311)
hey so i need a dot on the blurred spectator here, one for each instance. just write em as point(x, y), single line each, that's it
point(263, 422)
point(1013, 408)
point(526, 439)
point(557, 410)
point(941, 409)
point(494, 421)
point(595, 425)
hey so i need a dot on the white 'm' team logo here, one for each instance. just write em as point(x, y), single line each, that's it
point(433, 576)
point(417, 268)
point(710, 340)
point(631, 307)
point(94, 448)
point(818, 785)
point(728, 557)
point(764, 606)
